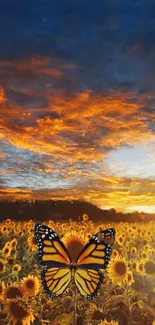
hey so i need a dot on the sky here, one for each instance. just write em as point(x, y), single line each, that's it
point(77, 102)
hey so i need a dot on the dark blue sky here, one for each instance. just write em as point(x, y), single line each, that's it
point(77, 92)
point(111, 42)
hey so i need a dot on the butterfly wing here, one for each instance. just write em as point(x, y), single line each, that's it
point(52, 253)
point(107, 235)
point(56, 280)
point(94, 256)
point(88, 282)
point(96, 253)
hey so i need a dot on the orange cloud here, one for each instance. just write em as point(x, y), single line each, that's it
point(2, 95)
point(35, 65)
point(85, 126)
point(115, 192)
point(73, 135)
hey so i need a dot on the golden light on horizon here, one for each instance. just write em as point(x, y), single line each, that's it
point(86, 146)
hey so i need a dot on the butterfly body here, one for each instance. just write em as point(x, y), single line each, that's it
point(60, 269)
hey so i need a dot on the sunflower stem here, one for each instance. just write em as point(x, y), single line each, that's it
point(75, 306)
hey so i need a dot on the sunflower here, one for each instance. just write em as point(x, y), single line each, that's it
point(8, 222)
point(144, 255)
point(51, 224)
point(6, 251)
point(85, 217)
point(16, 268)
point(2, 286)
point(115, 253)
point(88, 236)
point(129, 279)
point(149, 267)
point(14, 243)
point(74, 243)
point(134, 265)
point(140, 268)
point(147, 247)
point(12, 291)
point(13, 224)
point(8, 229)
point(94, 313)
point(4, 229)
point(30, 285)
point(118, 270)
point(8, 244)
point(31, 240)
point(152, 251)
point(18, 311)
point(120, 240)
point(133, 250)
point(2, 265)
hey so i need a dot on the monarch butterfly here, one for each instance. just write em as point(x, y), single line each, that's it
point(59, 268)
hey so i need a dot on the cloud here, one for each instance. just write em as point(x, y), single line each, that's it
point(72, 137)
point(111, 192)
point(77, 83)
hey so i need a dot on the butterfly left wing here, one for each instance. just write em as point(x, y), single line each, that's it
point(88, 282)
point(56, 275)
point(96, 253)
point(52, 252)
point(56, 280)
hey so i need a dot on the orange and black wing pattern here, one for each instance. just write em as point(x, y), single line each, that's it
point(107, 235)
point(88, 282)
point(52, 253)
point(51, 250)
point(56, 280)
point(96, 253)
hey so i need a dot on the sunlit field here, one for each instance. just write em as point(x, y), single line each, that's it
point(127, 295)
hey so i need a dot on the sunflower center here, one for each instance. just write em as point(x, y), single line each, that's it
point(30, 284)
point(150, 267)
point(6, 250)
point(74, 248)
point(120, 268)
point(18, 311)
point(1, 266)
point(13, 293)
point(97, 314)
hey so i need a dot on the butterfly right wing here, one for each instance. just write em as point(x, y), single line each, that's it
point(93, 258)
point(88, 282)
point(96, 253)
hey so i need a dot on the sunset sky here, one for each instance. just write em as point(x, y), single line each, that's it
point(77, 101)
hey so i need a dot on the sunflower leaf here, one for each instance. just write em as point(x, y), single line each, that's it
point(64, 319)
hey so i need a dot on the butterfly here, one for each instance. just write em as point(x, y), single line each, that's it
point(59, 269)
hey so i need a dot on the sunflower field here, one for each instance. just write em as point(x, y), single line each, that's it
point(126, 297)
